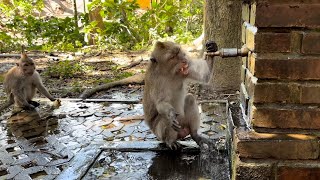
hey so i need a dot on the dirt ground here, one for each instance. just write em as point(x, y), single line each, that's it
point(100, 68)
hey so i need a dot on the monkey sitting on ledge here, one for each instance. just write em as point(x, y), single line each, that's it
point(20, 84)
point(169, 111)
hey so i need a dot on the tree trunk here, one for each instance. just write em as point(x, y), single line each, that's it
point(75, 14)
point(222, 24)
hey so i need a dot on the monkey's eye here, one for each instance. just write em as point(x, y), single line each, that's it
point(171, 57)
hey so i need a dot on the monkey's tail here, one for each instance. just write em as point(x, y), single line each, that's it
point(135, 79)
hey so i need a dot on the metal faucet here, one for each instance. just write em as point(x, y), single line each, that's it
point(212, 50)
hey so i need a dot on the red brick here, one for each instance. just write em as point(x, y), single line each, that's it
point(272, 92)
point(293, 69)
point(272, 42)
point(277, 92)
point(250, 144)
point(286, 117)
point(298, 173)
point(311, 42)
point(253, 170)
point(310, 93)
point(296, 39)
point(287, 15)
point(282, 92)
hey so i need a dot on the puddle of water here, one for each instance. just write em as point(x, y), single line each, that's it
point(38, 175)
point(75, 125)
point(113, 164)
point(29, 124)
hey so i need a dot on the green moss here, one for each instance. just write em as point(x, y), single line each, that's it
point(66, 69)
point(124, 75)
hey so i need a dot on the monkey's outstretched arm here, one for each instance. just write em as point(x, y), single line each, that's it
point(199, 70)
point(43, 90)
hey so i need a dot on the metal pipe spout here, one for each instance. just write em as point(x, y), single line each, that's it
point(230, 52)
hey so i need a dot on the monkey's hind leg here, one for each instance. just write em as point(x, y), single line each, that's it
point(165, 133)
point(192, 116)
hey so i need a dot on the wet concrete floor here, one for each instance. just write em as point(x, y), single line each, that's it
point(105, 141)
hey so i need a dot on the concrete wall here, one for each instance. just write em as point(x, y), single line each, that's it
point(280, 92)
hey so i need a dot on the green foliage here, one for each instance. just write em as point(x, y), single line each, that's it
point(118, 76)
point(76, 87)
point(124, 75)
point(125, 25)
point(66, 69)
point(21, 26)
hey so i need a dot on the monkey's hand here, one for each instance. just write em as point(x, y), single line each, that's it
point(173, 118)
point(56, 103)
point(29, 107)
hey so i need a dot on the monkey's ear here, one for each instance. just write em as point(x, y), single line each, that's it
point(159, 44)
point(153, 60)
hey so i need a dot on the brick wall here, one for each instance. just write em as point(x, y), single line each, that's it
point(280, 92)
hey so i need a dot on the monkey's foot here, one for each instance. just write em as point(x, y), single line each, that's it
point(202, 142)
point(174, 146)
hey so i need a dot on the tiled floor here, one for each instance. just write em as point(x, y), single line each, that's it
point(65, 142)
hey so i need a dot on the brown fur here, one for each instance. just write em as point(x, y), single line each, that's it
point(169, 111)
point(21, 83)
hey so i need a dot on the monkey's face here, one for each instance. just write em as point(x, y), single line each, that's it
point(170, 58)
point(178, 62)
point(27, 67)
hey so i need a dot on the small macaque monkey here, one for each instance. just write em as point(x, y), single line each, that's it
point(169, 111)
point(20, 84)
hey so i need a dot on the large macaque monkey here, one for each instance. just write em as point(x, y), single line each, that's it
point(20, 84)
point(169, 111)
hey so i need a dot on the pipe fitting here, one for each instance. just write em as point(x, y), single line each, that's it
point(230, 52)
